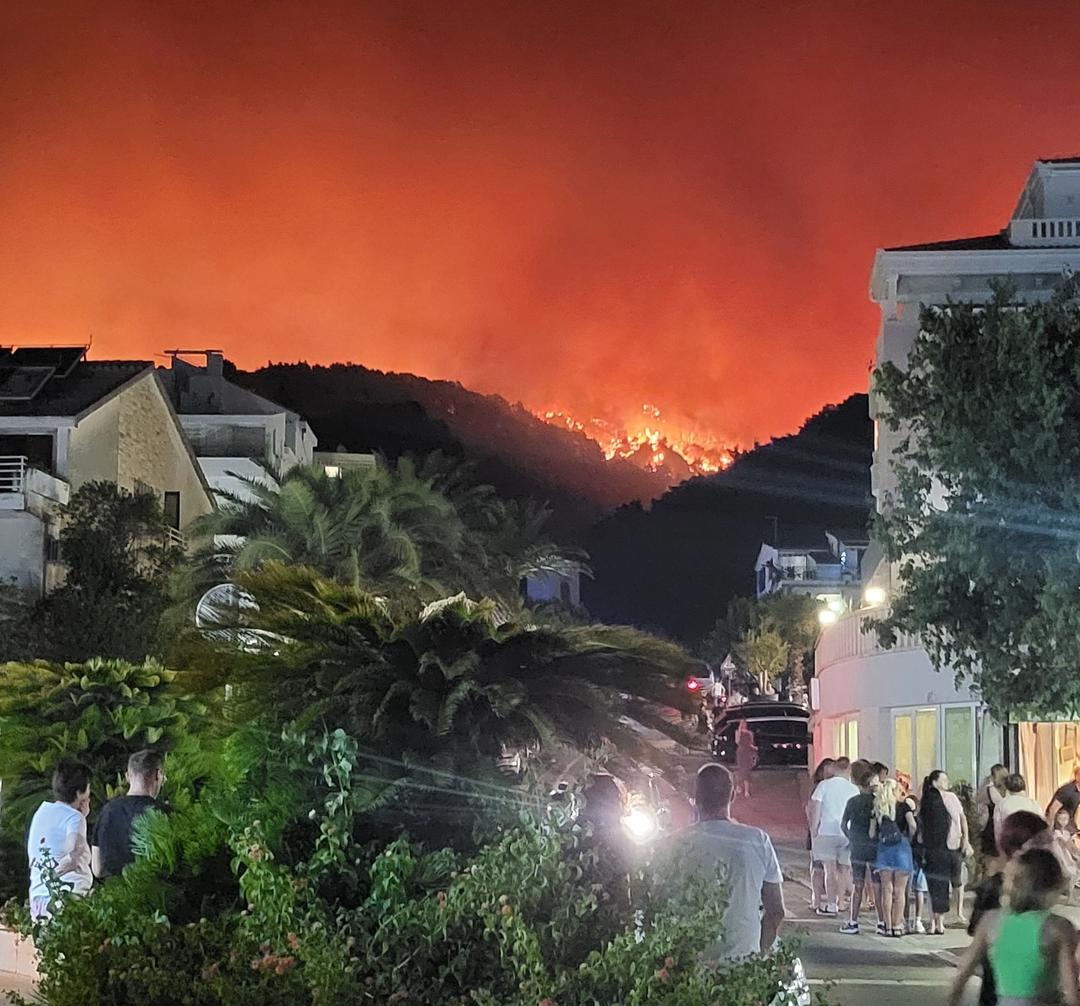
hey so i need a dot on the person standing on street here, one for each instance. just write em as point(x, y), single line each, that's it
point(827, 805)
point(891, 825)
point(1020, 831)
point(991, 793)
point(746, 758)
point(856, 825)
point(112, 849)
point(1016, 798)
point(945, 843)
point(1067, 798)
point(58, 828)
point(755, 892)
point(1031, 951)
point(817, 868)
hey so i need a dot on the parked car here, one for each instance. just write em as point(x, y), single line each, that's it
point(781, 731)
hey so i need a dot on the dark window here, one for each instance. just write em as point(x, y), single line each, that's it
point(172, 510)
point(564, 592)
point(52, 548)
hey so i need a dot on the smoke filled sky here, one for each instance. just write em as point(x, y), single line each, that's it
point(579, 205)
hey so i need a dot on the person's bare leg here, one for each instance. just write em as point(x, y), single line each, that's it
point(958, 893)
point(856, 898)
point(899, 894)
point(886, 898)
point(817, 884)
point(831, 881)
point(844, 886)
point(878, 898)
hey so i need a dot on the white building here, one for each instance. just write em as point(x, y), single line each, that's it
point(829, 571)
point(65, 421)
point(893, 705)
point(232, 430)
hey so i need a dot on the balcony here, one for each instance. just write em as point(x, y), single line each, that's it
point(1056, 232)
point(23, 487)
point(852, 636)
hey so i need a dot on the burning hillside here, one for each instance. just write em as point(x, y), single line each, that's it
point(651, 442)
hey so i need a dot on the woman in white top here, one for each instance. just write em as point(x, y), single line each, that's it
point(59, 828)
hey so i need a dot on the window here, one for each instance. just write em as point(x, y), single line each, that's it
point(171, 507)
point(846, 738)
point(959, 760)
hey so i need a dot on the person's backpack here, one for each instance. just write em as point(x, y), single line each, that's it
point(888, 832)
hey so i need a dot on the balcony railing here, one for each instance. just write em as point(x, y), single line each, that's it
point(854, 636)
point(173, 536)
point(12, 473)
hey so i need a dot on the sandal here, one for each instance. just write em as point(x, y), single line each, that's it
point(896, 933)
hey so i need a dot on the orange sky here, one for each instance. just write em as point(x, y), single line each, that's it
point(587, 205)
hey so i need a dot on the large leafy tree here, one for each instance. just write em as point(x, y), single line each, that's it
point(117, 559)
point(984, 521)
point(771, 639)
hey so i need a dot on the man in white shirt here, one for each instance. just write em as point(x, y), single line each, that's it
point(752, 871)
point(59, 828)
point(1015, 798)
point(830, 847)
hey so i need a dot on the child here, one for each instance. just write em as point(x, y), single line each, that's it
point(1029, 949)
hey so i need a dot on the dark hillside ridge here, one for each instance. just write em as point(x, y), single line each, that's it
point(673, 568)
point(521, 456)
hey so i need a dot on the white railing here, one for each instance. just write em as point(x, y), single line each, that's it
point(854, 636)
point(12, 473)
point(1052, 231)
point(175, 537)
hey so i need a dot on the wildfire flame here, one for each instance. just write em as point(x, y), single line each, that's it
point(648, 441)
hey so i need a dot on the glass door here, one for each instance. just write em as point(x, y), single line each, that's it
point(915, 743)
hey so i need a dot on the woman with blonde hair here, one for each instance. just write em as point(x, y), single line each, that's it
point(1030, 950)
point(893, 825)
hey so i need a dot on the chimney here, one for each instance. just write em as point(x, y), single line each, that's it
point(215, 365)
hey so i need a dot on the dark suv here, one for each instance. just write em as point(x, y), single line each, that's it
point(781, 731)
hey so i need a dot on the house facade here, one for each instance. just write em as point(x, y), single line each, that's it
point(829, 571)
point(893, 704)
point(66, 421)
point(232, 431)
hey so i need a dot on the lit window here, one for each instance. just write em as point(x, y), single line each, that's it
point(332, 471)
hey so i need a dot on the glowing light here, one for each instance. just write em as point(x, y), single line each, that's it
point(827, 616)
point(640, 824)
point(693, 685)
point(874, 596)
point(836, 605)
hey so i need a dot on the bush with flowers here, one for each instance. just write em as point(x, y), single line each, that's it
point(264, 886)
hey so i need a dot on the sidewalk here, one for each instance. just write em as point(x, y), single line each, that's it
point(795, 864)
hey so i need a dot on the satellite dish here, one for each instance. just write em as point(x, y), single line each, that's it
point(223, 614)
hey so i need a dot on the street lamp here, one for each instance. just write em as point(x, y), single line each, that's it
point(873, 596)
point(827, 617)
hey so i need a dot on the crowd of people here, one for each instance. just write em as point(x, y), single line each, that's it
point(872, 839)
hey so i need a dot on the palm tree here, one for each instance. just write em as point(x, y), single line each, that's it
point(506, 541)
point(386, 529)
point(396, 529)
point(455, 684)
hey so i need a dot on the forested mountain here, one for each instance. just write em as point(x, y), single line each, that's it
point(674, 567)
point(671, 565)
point(364, 410)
